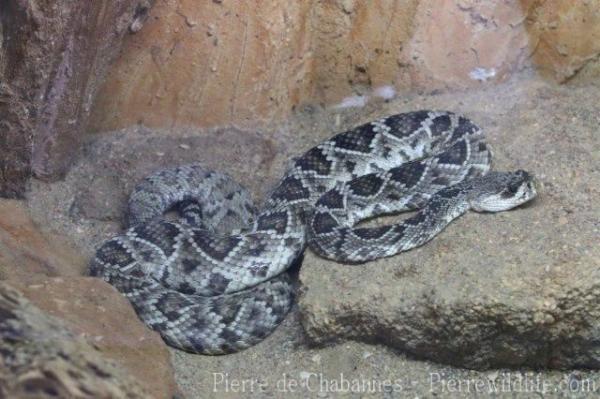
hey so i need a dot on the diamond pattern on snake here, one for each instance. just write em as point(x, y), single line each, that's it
point(214, 281)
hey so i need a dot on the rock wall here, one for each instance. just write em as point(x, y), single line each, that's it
point(564, 38)
point(252, 63)
point(210, 63)
point(359, 45)
point(53, 56)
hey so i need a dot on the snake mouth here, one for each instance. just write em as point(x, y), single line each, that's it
point(533, 185)
point(530, 191)
point(530, 184)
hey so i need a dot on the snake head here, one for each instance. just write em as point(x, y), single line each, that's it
point(501, 191)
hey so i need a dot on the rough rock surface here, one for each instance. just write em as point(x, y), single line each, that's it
point(357, 46)
point(52, 59)
point(565, 38)
point(210, 63)
point(47, 269)
point(42, 359)
point(26, 251)
point(519, 288)
point(462, 43)
point(252, 63)
point(93, 310)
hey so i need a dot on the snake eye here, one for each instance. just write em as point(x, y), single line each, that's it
point(511, 190)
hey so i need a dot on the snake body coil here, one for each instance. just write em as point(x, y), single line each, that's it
point(214, 281)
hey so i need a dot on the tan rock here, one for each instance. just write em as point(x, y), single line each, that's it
point(90, 308)
point(564, 37)
point(359, 47)
point(40, 358)
point(208, 63)
point(27, 251)
point(252, 63)
point(249, 63)
point(461, 43)
point(95, 311)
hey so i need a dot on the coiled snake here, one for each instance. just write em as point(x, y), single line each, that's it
point(214, 281)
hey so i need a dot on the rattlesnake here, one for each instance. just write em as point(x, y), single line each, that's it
point(215, 280)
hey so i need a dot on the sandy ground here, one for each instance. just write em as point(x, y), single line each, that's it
point(87, 207)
